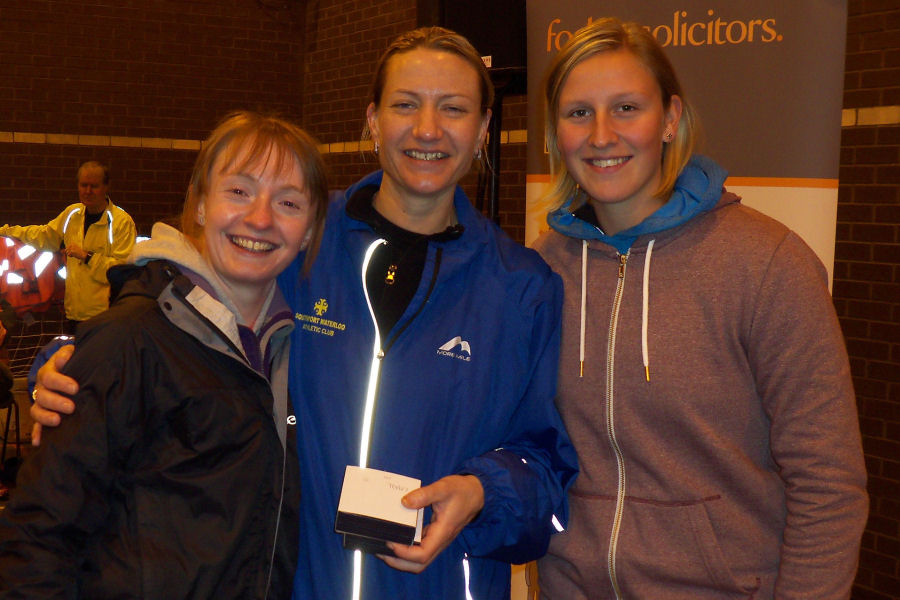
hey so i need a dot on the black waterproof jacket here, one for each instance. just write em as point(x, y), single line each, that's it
point(171, 478)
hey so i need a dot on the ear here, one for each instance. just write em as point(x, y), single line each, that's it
point(673, 114)
point(482, 129)
point(372, 121)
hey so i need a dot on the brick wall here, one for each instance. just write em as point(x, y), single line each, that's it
point(128, 82)
point(867, 273)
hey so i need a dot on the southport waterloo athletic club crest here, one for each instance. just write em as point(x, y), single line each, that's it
point(316, 322)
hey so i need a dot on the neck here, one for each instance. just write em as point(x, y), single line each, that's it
point(616, 217)
point(249, 308)
point(94, 210)
point(424, 215)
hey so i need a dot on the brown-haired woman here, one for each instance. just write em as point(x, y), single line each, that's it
point(176, 477)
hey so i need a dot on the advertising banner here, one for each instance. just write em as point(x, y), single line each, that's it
point(766, 78)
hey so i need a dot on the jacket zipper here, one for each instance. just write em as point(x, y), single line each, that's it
point(179, 293)
point(610, 425)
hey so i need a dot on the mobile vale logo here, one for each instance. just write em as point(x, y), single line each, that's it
point(317, 323)
point(686, 29)
point(456, 348)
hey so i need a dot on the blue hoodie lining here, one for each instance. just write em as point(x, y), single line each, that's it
point(697, 190)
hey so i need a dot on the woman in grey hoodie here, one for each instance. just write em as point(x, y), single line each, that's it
point(703, 375)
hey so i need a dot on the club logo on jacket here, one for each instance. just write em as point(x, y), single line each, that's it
point(317, 323)
point(456, 348)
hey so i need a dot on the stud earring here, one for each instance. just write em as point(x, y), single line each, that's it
point(478, 154)
point(669, 136)
point(376, 149)
point(201, 218)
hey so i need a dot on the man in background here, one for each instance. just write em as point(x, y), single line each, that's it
point(94, 234)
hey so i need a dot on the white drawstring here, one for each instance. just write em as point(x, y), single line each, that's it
point(645, 352)
point(584, 249)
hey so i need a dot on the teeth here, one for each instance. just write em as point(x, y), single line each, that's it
point(608, 162)
point(426, 155)
point(252, 245)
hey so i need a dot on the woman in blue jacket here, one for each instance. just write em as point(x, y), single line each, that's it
point(426, 344)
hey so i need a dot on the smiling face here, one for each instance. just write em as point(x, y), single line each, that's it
point(255, 220)
point(611, 125)
point(428, 126)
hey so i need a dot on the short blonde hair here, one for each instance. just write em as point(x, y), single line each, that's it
point(257, 135)
point(608, 35)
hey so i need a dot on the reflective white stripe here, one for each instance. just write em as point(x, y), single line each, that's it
point(357, 573)
point(25, 251)
point(366, 434)
point(557, 525)
point(466, 573)
point(62, 272)
point(110, 226)
point(41, 262)
point(69, 218)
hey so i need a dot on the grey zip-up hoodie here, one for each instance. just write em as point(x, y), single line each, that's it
point(705, 385)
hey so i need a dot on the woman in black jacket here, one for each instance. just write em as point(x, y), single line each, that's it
point(176, 477)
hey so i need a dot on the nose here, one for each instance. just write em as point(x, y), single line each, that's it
point(259, 213)
point(427, 125)
point(603, 132)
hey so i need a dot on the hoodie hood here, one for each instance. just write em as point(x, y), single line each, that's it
point(697, 190)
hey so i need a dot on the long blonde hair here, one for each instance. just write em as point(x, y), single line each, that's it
point(608, 35)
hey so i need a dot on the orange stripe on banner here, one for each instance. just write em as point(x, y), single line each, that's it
point(798, 182)
point(541, 178)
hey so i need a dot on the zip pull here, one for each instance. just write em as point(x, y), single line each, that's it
point(623, 258)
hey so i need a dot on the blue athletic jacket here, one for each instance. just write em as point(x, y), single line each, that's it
point(466, 385)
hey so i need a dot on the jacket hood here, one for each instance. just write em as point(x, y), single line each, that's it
point(167, 243)
point(697, 190)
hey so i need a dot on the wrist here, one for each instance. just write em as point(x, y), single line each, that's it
point(87, 257)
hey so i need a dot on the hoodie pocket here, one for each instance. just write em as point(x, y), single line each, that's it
point(672, 550)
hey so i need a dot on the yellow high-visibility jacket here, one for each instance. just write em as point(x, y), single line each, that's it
point(111, 239)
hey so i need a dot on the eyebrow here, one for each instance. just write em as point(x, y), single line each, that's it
point(418, 93)
point(249, 176)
